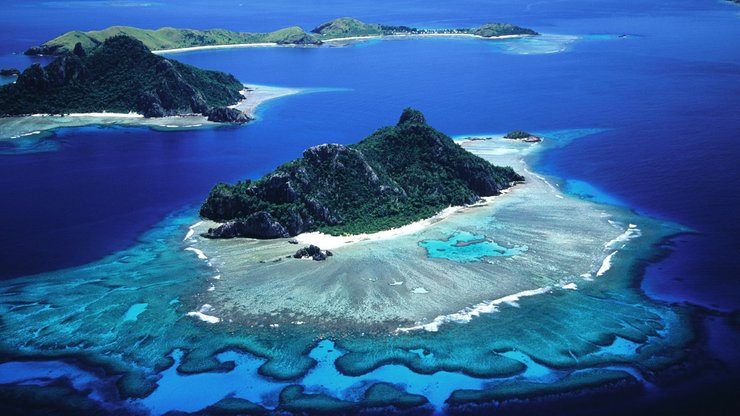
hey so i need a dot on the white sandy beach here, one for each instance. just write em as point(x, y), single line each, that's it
point(350, 38)
point(259, 94)
point(331, 242)
point(235, 45)
point(19, 127)
point(423, 35)
point(387, 277)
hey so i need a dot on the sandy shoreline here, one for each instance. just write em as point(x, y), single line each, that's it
point(207, 47)
point(351, 38)
point(256, 95)
point(99, 115)
point(332, 242)
point(421, 35)
point(386, 279)
point(25, 126)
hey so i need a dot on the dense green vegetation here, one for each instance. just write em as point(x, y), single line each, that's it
point(171, 38)
point(349, 27)
point(397, 175)
point(120, 75)
point(501, 29)
point(517, 134)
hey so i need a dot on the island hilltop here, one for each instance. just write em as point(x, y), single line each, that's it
point(167, 38)
point(397, 175)
point(121, 75)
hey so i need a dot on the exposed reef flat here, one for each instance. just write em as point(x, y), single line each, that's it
point(40, 124)
point(499, 327)
point(543, 245)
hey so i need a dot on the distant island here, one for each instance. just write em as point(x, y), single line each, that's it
point(523, 136)
point(121, 75)
point(166, 39)
point(398, 175)
point(9, 72)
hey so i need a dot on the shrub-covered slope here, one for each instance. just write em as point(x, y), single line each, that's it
point(120, 75)
point(397, 175)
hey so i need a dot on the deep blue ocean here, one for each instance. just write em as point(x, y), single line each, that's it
point(667, 95)
point(660, 79)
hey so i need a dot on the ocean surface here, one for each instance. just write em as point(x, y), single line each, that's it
point(666, 96)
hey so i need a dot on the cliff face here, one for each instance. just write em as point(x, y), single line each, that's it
point(398, 175)
point(120, 75)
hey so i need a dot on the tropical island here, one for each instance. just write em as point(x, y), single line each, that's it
point(398, 175)
point(168, 39)
point(523, 136)
point(121, 75)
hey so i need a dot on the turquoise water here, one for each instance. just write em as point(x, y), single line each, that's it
point(92, 207)
point(466, 247)
point(132, 314)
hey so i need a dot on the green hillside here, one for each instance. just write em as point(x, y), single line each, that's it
point(120, 75)
point(397, 175)
point(171, 38)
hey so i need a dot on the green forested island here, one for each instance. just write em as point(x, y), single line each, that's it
point(397, 175)
point(171, 38)
point(522, 135)
point(121, 75)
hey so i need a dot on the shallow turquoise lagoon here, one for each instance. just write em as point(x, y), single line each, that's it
point(112, 313)
point(465, 247)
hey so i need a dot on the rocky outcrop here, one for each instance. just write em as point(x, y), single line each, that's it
point(227, 115)
point(65, 70)
point(42, 50)
point(149, 105)
point(312, 252)
point(34, 78)
point(411, 116)
point(258, 225)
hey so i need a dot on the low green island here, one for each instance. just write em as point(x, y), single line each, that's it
point(398, 175)
point(168, 38)
point(523, 136)
point(121, 75)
